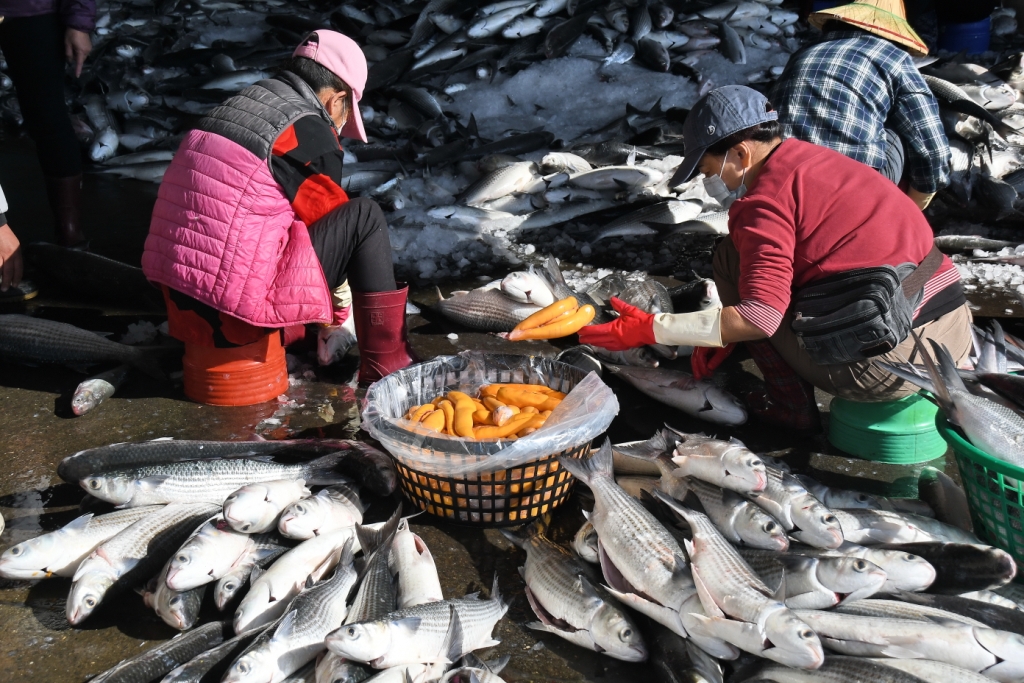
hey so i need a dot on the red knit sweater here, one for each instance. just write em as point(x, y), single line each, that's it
point(813, 213)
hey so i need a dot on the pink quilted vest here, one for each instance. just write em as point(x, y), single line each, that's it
point(224, 233)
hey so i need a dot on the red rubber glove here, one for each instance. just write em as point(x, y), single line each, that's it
point(705, 360)
point(632, 329)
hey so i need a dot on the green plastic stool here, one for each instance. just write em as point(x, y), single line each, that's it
point(900, 432)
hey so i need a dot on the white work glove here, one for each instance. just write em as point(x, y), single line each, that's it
point(700, 328)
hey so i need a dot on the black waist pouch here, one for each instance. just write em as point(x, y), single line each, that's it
point(861, 313)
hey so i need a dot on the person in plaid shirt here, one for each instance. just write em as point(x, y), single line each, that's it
point(859, 93)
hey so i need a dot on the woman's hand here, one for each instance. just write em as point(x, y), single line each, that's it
point(77, 46)
point(10, 259)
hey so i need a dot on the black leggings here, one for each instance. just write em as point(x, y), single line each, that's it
point(352, 242)
point(34, 49)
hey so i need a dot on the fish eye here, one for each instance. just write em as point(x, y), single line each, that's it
point(181, 559)
point(93, 483)
point(243, 667)
point(16, 550)
point(176, 600)
point(860, 565)
point(90, 602)
point(351, 632)
point(230, 586)
point(769, 527)
point(829, 519)
point(756, 462)
point(862, 497)
point(299, 509)
point(807, 634)
point(909, 558)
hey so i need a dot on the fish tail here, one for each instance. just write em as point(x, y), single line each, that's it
point(324, 470)
point(941, 391)
point(495, 593)
point(522, 536)
point(371, 539)
point(440, 296)
point(598, 465)
point(947, 368)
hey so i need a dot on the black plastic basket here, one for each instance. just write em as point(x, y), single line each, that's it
point(503, 497)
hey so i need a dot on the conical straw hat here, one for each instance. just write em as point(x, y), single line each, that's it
point(885, 18)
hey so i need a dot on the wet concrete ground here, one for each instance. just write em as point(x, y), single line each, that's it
point(36, 643)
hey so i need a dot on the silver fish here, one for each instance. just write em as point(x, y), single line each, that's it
point(895, 609)
point(585, 543)
point(528, 288)
point(255, 508)
point(475, 670)
point(208, 555)
point(842, 499)
point(485, 309)
point(376, 596)
point(299, 636)
point(27, 339)
point(569, 605)
point(104, 146)
point(176, 652)
point(933, 672)
point(59, 552)
point(992, 598)
point(998, 654)
point(98, 389)
point(332, 508)
point(661, 218)
point(411, 561)
point(728, 586)
point(177, 609)
point(739, 520)
point(881, 526)
point(640, 555)
point(803, 515)
point(702, 400)
point(837, 669)
point(728, 464)
point(421, 634)
point(518, 177)
point(333, 668)
point(616, 178)
point(640, 357)
point(202, 480)
point(264, 550)
point(492, 24)
point(904, 570)
point(816, 582)
point(137, 550)
point(562, 213)
point(273, 590)
point(564, 162)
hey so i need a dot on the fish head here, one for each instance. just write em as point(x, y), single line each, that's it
point(226, 589)
point(175, 611)
point(818, 525)
point(335, 669)
point(619, 637)
point(84, 400)
point(362, 642)
point(86, 594)
point(905, 571)
point(258, 665)
point(760, 530)
point(585, 543)
point(246, 510)
point(303, 519)
point(252, 611)
point(333, 343)
point(721, 407)
point(29, 559)
point(851, 576)
point(116, 489)
point(792, 642)
point(744, 470)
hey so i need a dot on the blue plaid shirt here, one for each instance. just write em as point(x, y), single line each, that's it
point(843, 92)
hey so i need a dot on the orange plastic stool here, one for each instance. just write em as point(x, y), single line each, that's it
point(239, 376)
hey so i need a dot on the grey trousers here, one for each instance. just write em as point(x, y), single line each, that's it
point(861, 381)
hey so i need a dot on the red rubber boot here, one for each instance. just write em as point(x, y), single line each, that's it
point(381, 333)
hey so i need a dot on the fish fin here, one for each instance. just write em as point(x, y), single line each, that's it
point(78, 523)
point(370, 539)
point(255, 574)
point(589, 591)
point(286, 626)
point(522, 573)
point(897, 652)
point(947, 368)
point(598, 464)
point(411, 624)
point(453, 639)
point(495, 593)
point(152, 483)
point(1000, 341)
point(901, 370)
point(323, 470)
point(521, 537)
point(586, 514)
point(440, 296)
point(496, 665)
point(553, 271)
point(940, 390)
point(706, 601)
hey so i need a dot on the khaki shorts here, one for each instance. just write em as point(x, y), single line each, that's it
point(861, 381)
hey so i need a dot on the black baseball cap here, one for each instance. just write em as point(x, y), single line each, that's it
point(716, 116)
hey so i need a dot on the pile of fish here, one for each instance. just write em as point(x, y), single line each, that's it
point(156, 67)
point(196, 515)
point(733, 553)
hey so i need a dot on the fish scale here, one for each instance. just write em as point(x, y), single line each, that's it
point(485, 309)
point(376, 596)
point(838, 670)
point(202, 481)
point(154, 663)
point(914, 527)
point(735, 587)
point(894, 609)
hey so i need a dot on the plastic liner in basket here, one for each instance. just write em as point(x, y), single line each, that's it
point(584, 414)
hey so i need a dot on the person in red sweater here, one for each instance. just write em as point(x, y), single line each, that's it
point(798, 214)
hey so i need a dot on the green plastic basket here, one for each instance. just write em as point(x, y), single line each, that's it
point(900, 432)
point(995, 492)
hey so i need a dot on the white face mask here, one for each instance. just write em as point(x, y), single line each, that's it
point(719, 191)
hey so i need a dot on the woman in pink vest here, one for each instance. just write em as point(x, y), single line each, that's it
point(252, 230)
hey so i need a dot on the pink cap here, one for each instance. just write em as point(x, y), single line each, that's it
point(340, 55)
